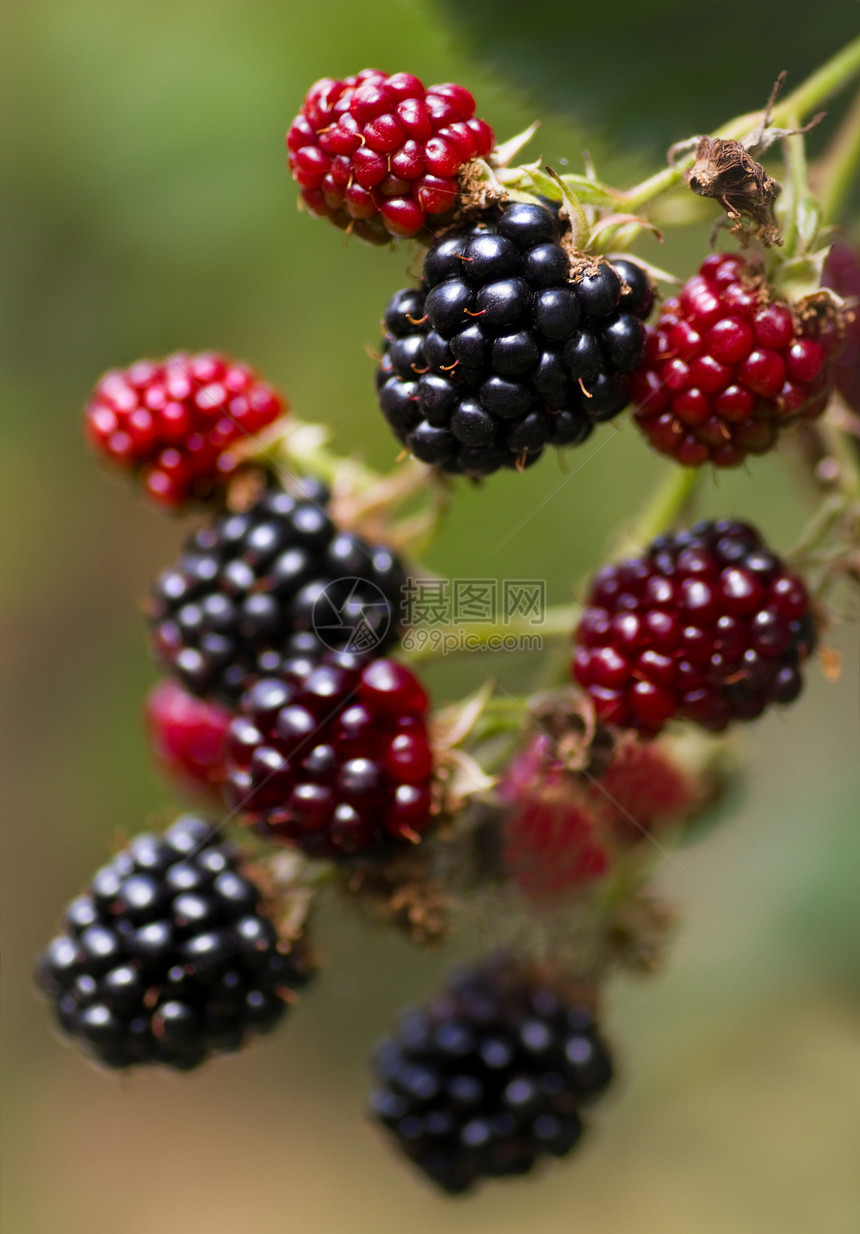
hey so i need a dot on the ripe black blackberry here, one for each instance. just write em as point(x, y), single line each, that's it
point(489, 1075)
point(503, 349)
point(245, 584)
point(168, 957)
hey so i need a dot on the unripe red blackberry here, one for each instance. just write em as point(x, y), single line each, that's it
point(379, 154)
point(490, 1075)
point(187, 736)
point(569, 820)
point(728, 365)
point(246, 583)
point(172, 422)
point(333, 756)
point(708, 626)
point(842, 274)
point(503, 349)
point(169, 956)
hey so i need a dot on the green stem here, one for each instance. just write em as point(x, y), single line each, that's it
point(665, 507)
point(796, 189)
point(832, 76)
point(837, 172)
point(819, 86)
point(842, 450)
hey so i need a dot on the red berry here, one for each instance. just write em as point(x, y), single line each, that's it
point(842, 273)
point(568, 821)
point(387, 134)
point(188, 737)
point(333, 756)
point(725, 629)
point(727, 366)
point(171, 423)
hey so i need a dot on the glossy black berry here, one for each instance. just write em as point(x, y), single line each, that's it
point(169, 957)
point(502, 332)
point(638, 295)
point(246, 584)
point(489, 1075)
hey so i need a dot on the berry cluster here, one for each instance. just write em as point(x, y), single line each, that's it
point(708, 626)
point(171, 423)
point(728, 366)
point(169, 957)
point(332, 756)
point(489, 1076)
point(187, 736)
point(503, 349)
point(378, 154)
point(274, 622)
point(225, 614)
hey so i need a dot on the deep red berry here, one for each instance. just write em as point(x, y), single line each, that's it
point(490, 1075)
point(728, 366)
point(377, 154)
point(708, 626)
point(332, 756)
point(171, 422)
point(187, 737)
point(842, 273)
point(170, 956)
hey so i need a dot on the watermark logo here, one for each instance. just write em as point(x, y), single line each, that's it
point(351, 614)
point(448, 615)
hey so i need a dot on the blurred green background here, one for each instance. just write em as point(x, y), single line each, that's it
point(146, 208)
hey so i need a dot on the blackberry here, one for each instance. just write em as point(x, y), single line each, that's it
point(169, 957)
point(378, 154)
point(246, 583)
point(488, 1076)
point(568, 821)
point(842, 273)
point(728, 365)
point(502, 350)
point(172, 422)
point(708, 626)
point(187, 737)
point(333, 756)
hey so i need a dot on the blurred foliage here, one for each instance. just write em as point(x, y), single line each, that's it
point(146, 207)
point(655, 72)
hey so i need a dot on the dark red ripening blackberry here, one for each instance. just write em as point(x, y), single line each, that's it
point(378, 154)
point(728, 365)
point(489, 1075)
point(502, 351)
point(187, 735)
point(332, 756)
point(172, 422)
point(246, 583)
point(169, 956)
point(707, 626)
point(842, 274)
